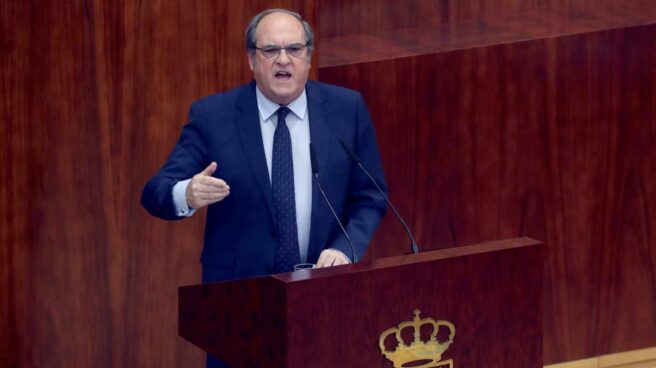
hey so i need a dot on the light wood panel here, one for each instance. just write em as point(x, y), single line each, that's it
point(642, 358)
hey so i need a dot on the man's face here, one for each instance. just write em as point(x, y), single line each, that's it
point(281, 78)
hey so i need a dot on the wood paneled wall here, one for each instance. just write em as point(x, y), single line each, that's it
point(93, 97)
point(549, 138)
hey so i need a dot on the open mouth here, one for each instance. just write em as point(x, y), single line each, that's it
point(283, 75)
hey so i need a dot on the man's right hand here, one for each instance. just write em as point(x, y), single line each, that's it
point(204, 189)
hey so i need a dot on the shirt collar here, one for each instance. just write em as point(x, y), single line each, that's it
point(268, 108)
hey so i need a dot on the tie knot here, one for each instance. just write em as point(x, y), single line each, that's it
point(282, 113)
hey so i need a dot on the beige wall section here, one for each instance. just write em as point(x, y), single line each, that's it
point(643, 358)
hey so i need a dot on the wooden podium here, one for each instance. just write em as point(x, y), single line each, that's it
point(490, 292)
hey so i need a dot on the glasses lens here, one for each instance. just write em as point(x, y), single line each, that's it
point(274, 51)
point(295, 51)
point(270, 52)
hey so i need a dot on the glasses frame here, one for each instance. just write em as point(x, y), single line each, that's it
point(277, 49)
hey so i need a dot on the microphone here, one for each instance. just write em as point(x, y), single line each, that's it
point(315, 172)
point(413, 246)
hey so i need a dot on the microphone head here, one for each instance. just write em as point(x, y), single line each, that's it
point(313, 160)
point(349, 151)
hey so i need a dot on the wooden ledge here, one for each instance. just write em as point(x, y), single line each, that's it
point(643, 358)
point(513, 27)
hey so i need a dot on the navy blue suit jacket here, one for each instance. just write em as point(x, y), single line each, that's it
point(240, 231)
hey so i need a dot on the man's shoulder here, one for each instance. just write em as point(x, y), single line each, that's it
point(229, 97)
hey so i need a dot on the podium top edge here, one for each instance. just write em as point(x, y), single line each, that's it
point(407, 259)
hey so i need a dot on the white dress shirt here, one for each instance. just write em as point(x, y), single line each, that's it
point(298, 123)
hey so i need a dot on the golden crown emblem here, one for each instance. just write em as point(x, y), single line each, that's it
point(419, 354)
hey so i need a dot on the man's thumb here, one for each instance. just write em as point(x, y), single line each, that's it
point(209, 170)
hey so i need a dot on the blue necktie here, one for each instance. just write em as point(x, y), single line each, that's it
point(282, 184)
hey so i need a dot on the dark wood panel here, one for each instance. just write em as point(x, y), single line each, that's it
point(93, 98)
point(547, 139)
point(14, 181)
point(628, 251)
point(323, 318)
point(479, 293)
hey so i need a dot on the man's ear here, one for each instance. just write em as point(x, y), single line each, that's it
point(251, 62)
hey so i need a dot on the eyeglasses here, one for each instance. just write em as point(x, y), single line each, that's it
point(270, 52)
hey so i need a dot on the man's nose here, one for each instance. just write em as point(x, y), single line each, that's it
point(283, 58)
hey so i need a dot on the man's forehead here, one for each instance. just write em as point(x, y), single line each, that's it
point(280, 27)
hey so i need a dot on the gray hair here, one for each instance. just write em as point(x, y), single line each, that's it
point(251, 40)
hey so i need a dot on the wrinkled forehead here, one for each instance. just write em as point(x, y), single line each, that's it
point(279, 29)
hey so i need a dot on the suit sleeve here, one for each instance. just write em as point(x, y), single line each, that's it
point(365, 207)
point(188, 158)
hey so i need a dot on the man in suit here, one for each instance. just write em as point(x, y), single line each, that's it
point(245, 154)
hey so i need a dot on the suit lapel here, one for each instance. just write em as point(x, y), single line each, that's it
point(320, 138)
point(248, 125)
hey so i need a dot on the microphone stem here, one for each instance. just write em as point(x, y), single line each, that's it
point(348, 238)
point(414, 246)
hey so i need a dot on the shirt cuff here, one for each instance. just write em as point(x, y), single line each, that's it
point(180, 199)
